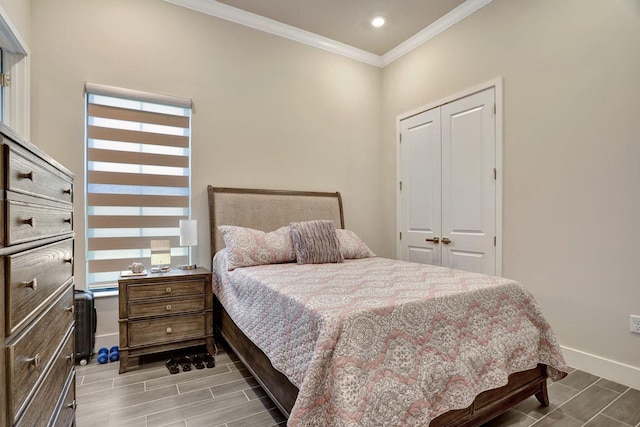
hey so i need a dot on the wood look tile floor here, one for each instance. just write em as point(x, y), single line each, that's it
point(227, 395)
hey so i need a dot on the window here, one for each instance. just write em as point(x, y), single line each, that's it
point(137, 179)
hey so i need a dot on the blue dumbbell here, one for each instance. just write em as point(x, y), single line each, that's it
point(114, 354)
point(103, 355)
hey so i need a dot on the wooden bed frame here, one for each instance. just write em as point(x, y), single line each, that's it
point(269, 209)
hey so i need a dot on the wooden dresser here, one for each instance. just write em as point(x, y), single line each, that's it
point(37, 376)
point(165, 311)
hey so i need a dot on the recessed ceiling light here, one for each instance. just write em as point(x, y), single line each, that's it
point(378, 21)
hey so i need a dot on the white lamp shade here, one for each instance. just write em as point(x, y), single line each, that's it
point(188, 232)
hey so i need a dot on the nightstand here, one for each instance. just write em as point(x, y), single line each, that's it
point(165, 311)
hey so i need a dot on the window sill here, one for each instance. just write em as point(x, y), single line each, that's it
point(104, 293)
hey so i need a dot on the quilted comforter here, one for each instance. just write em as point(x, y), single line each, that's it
point(376, 341)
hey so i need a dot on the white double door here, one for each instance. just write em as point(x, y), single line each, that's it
point(448, 185)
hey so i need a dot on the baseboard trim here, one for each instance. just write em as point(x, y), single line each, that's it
point(602, 367)
point(106, 340)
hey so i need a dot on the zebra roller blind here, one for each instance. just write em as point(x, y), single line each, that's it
point(137, 179)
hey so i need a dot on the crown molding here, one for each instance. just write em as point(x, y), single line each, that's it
point(271, 26)
point(451, 18)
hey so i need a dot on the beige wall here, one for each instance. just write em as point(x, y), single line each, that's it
point(19, 13)
point(274, 113)
point(571, 206)
point(269, 112)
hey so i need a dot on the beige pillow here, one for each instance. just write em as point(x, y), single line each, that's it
point(315, 242)
point(247, 247)
point(351, 246)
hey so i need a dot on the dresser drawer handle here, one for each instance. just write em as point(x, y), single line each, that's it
point(69, 260)
point(69, 191)
point(168, 290)
point(168, 307)
point(29, 175)
point(69, 357)
point(35, 361)
point(31, 221)
point(71, 309)
point(169, 330)
point(72, 405)
point(33, 284)
point(67, 220)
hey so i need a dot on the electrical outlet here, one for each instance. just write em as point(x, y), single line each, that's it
point(635, 324)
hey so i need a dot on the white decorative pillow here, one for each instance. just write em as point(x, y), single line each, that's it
point(351, 246)
point(315, 242)
point(247, 247)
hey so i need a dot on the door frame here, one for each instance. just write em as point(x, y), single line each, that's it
point(497, 84)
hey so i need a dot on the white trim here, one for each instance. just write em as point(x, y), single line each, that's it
point(271, 26)
point(138, 95)
point(497, 84)
point(603, 367)
point(456, 15)
point(9, 34)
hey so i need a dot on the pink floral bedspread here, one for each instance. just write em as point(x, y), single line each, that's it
point(383, 342)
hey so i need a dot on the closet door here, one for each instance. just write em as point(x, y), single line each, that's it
point(468, 183)
point(420, 194)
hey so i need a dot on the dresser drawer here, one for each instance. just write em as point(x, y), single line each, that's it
point(42, 407)
point(170, 329)
point(30, 175)
point(182, 288)
point(28, 222)
point(33, 276)
point(34, 349)
point(67, 413)
point(168, 306)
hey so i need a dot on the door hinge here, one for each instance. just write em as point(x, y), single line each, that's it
point(401, 235)
point(495, 173)
point(400, 185)
point(495, 240)
point(400, 138)
point(495, 109)
point(5, 80)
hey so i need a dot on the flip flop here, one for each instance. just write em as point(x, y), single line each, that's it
point(198, 362)
point(209, 360)
point(185, 362)
point(172, 366)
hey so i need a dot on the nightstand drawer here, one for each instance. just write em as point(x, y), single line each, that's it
point(30, 354)
point(169, 306)
point(27, 174)
point(182, 288)
point(170, 329)
point(33, 276)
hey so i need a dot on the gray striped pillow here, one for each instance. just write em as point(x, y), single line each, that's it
point(315, 242)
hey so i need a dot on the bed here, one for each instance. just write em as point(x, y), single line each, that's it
point(495, 392)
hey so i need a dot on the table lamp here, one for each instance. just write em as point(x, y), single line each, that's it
point(189, 238)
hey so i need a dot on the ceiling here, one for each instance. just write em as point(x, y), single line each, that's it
point(343, 26)
point(348, 21)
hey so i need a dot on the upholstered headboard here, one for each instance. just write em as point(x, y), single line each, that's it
point(268, 210)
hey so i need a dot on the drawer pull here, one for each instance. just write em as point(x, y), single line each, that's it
point(29, 175)
point(168, 290)
point(169, 330)
point(168, 307)
point(72, 405)
point(69, 191)
point(69, 357)
point(67, 220)
point(31, 221)
point(71, 309)
point(35, 361)
point(69, 260)
point(32, 284)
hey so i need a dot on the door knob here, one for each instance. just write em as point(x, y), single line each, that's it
point(446, 240)
point(435, 240)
